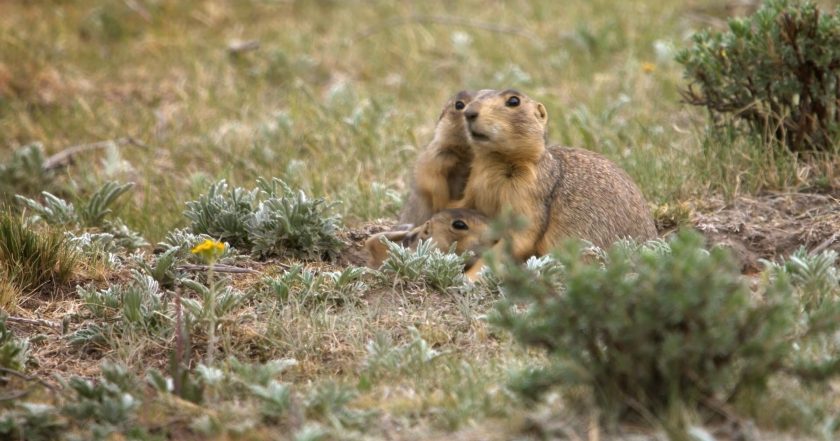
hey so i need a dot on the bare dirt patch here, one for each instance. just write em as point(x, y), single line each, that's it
point(355, 238)
point(770, 226)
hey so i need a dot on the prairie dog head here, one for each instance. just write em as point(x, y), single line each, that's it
point(505, 121)
point(451, 126)
point(467, 229)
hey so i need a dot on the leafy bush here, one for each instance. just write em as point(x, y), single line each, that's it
point(650, 331)
point(777, 70)
point(30, 259)
point(270, 220)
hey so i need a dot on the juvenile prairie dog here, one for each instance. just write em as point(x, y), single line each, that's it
point(467, 229)
point(442, 168)
point(562, 192)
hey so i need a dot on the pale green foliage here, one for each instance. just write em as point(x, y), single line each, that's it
point(29, 421)
point(306, 287)
point(56, 211)
point(92, 214)
point(14, 352)
point(289, 220)
point(222, 213)
point(96, 247)
point(815, 276)
point(816, 282)
point(270, 220)
point(386, 359)
point(162, 268)
point(650, 330)
point(107, 406)
point(227, 299)
point(98, 206)
point(24, 173)
point(329, 401)
point(184, 240)
point(137, 306)
point(425, 265)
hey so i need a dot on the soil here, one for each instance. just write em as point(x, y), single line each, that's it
point(770, 226)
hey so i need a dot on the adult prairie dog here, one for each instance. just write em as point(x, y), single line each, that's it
point(562, 192)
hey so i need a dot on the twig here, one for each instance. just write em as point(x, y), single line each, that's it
point(65, 156)
point(218, 268)
point(442, 20)
point(14, 397)
point(37, 322)
point(825, 244)
point(27, 378)
point(237, 47)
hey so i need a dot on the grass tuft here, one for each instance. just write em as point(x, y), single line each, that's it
point(31, 259)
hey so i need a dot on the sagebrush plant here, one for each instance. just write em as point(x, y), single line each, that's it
point(24, 173)
point(223, 213)
point(135, 307)
point(778, 71)
point(384, 358)
point(184, 240)
point(92, 213)
point(270, 220)
point(29, 421)
point(288, 222)
point(14, 352)
point(651, 332)
point(304, 286)
point(31, 258)
point(424, 265)
point(816, 282)
point(107, 407)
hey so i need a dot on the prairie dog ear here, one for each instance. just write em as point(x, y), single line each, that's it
point(541, 113)
point(377, 250)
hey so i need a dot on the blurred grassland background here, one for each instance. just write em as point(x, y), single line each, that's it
point(340, 95)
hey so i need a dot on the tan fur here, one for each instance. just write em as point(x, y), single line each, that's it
point(562, 192)
point(440, 228)
point(442, 168)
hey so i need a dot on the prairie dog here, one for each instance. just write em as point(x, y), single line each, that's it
point(442, 168)
point(562, 192)
point(468, 229)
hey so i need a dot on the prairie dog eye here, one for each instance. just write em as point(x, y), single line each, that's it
point(460, 225)
point(512, 101)
point(459, 105)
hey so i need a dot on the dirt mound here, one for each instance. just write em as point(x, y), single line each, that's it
point(355, 238)
point(771, 226)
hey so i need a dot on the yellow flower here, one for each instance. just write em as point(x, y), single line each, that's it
point(209, 250)
point(648, 67)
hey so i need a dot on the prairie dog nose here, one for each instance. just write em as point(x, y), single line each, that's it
point(471, 113)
